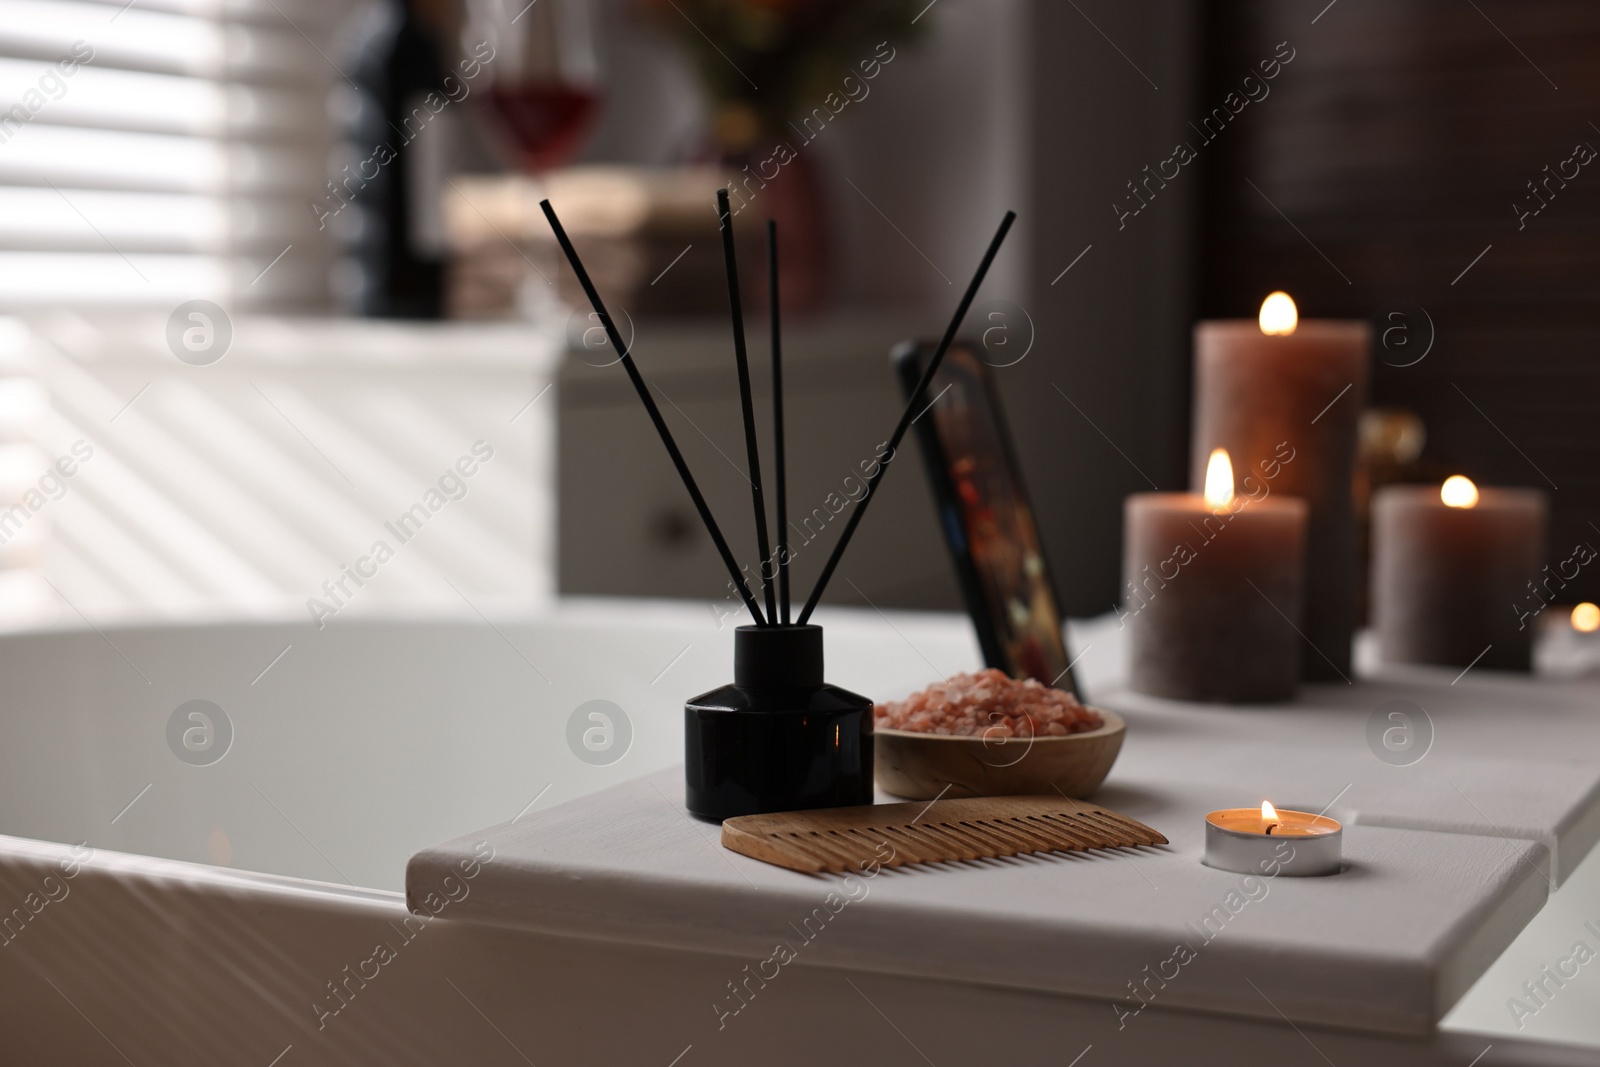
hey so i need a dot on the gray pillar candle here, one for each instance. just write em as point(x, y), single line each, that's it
point(1450, 583)
point(1306, 387)
point(1210, 592)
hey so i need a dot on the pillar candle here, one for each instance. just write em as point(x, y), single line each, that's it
point(1451, 581)
point(1213, 582)
point(1305, 383)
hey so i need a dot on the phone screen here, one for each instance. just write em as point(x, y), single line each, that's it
point(987, 520)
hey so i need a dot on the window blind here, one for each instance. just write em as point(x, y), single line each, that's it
point(160, 151)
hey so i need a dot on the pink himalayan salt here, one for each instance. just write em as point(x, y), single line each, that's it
point(990, 704)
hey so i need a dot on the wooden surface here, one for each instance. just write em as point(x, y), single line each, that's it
point(141, 944)
point(1388, 945)
point(1451, 855)
point(1510, 755)
point(922, 766)
point(863, 839)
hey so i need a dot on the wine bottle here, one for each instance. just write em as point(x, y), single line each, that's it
point(400, 138)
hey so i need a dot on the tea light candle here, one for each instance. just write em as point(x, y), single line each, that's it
point(1197, 628)
point(1280, 379)
point(1271, 842)
point(1453, 569)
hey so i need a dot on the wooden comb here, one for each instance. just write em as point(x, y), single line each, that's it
point(841, 839)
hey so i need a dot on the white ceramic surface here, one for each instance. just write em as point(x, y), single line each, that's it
point(372, 739)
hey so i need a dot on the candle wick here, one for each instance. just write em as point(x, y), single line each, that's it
point(1270, 826)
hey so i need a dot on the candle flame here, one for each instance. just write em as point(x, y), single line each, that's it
point(1279, 315)
point(1268, 812)
point(1458, 492)
point(1586, 618)
point(1219, 480)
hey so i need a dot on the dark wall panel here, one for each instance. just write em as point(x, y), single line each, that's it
point(1387, 158)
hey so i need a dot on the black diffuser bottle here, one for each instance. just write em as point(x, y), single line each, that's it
point(778, 738)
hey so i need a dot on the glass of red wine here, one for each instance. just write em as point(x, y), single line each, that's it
point(544, 79)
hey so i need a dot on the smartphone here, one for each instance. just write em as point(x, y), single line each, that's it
point(985, 515)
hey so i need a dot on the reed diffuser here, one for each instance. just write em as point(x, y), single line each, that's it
point(778, 738)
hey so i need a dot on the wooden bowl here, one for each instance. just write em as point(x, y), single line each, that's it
point(921, 766)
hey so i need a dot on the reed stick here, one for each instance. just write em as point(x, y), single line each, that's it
point(777, 419)
point(643, 390)
point(913, 410)
point(741, 359)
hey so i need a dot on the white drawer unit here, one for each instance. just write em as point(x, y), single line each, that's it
point(626, 525)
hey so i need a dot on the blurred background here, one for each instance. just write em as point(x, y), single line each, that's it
point(276, 266)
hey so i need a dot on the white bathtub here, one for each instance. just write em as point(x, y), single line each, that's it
point(153, 911)
point(365, 742)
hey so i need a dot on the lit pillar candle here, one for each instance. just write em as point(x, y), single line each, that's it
point(1569, 641)
point(1278, 379)
point(1213, 582)
point(1453, 571)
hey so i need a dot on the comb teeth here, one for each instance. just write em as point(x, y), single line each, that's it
point(840, 839)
